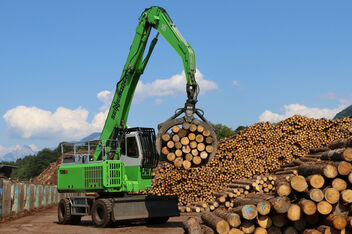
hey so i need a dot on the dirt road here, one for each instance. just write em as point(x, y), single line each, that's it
point(46, 222)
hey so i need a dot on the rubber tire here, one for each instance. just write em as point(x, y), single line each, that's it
point(158, 220)
point(64, 211)
point(101, 213)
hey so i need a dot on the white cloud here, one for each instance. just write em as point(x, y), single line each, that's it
point(174, 85)
point(71, 124)
point(297, 109)
point(32, 122)
point(106, 98)
point(236, 83)
point(343, 100)
point(171, 86)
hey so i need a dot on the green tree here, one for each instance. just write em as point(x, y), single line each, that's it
point(224, 131)
point(32, 165)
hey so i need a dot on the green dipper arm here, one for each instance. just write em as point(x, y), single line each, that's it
point(154, 17)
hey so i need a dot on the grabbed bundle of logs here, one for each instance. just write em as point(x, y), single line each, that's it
point(186, 142)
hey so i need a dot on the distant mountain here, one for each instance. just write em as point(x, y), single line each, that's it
point(91, 137)
point(347, 112)
point(13, 153)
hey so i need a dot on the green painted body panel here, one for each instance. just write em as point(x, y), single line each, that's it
point(157, 18)
point(107, 176)
point(112, 175)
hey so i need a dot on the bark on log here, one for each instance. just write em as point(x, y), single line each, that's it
point(311, 231)
point(248, 227)
point(191, 226)
point(328, 170)
point(279, 220)
point(280, 204)
point(300, 225)
point(274, 230)
point(341, 209)
point(217, 223)
point(340, 143)
point(290, 230)
point(206, 229)
point(233, 219)
point(343, 154)
point(308, 207)
point(186, 125)
point(336, 221)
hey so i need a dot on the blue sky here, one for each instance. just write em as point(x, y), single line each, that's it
point(257, 60)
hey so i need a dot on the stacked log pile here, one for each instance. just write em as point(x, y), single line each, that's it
point(258, 150)
point(187, 145)
point(234, 194)
point(316, 197)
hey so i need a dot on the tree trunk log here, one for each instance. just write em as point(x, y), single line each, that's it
point(264, 221)
point(324, 207)
point(233, 219)
point(316, 181)
point(308, 207)
point(336, 221)
point(316, 195)
point(299, 183)
point(191, 226)
point(294, 212)
point(343, 154)
point(280, 204)
point(331, 195)
point(215, 222)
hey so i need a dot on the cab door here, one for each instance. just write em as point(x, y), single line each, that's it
point(131, 150)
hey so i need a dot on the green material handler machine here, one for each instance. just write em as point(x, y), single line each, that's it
point(106, 173)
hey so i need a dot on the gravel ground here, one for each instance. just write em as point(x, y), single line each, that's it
point(46, 222)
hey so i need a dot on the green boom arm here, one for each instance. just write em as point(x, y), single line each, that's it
point(154, 17)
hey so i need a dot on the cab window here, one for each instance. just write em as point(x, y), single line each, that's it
point(132, 148)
